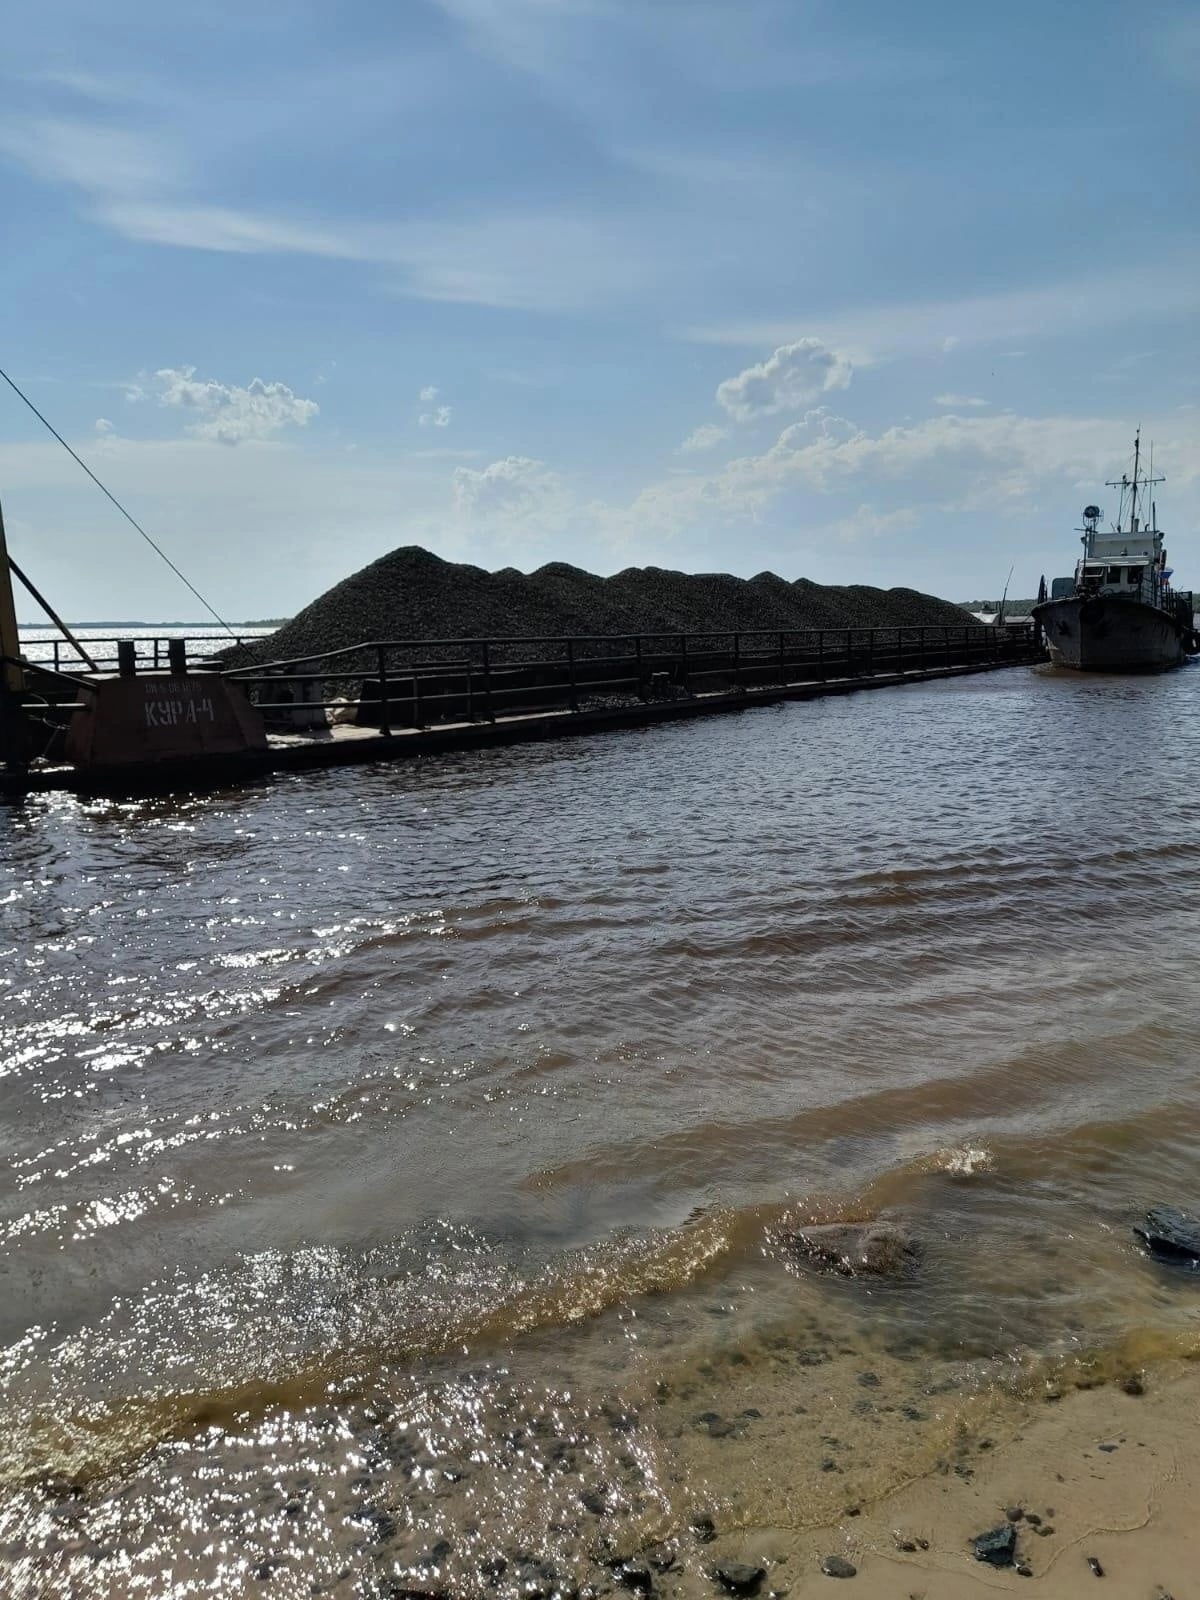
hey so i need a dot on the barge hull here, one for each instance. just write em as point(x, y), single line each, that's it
point(1109, 633)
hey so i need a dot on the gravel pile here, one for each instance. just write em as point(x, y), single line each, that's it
point(414, 594)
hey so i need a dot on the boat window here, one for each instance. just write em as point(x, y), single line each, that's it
point(1135, 574)
point(1113, 575)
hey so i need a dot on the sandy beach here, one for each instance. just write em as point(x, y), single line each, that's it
point(1101, 1478)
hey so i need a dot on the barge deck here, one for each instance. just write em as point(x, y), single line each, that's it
point(306, 749)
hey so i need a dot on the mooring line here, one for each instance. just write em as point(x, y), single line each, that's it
point(133, 522)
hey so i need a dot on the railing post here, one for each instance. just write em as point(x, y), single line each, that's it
point(949, 653)
point(574, 688)
point(416, 697)
point(870, 652)
point(782, 660)
point(821, 654)
point(737, 660)
point(57, 663)
point(176, 656)
point(126, 658)
point(641, 676)
point(385, 694)
point(156, 652)
point(921, 648)
point(487, 681)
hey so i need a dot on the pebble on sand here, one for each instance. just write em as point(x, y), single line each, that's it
point(737, 1577)
point(838, 1567)
point(997, 1547)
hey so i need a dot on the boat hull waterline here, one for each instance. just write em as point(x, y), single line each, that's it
point(1110, 633)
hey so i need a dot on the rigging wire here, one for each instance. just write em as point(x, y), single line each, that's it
point(133, 522)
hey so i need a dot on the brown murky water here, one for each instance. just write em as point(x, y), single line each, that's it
point(400, 1165)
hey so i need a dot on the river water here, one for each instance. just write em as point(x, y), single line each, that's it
point(403, 1165)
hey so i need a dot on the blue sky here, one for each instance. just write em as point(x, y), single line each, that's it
point(859, 292)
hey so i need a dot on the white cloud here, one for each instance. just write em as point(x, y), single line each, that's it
point(1166, 286)
point(537, 260)
point(979, 464)
point(103, 426)
point(86, 155)
point(794, 376)
point(868, 523)
point(438, 416)
point(517, 484)
point(959, 400)
point(429, 394)
point(229, 413)
point(704, 437)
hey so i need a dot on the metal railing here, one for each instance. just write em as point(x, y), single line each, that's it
point(150, 650)
point(415, 683)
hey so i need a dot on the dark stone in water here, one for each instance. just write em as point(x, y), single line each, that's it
point(838, 1567)
point(661, 1557)
point(704, 1528)
point(1094, 1567)
point(1171, 1235)
point(634, 1575)
point(997, 1547)
point(856, 1250)
point(738, 1578)
point(1133, 1385)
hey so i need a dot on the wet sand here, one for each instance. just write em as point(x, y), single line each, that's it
point(1099, 1476)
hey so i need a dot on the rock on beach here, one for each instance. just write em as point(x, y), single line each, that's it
point(853, 1250)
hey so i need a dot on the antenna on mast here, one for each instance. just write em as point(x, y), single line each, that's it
point(1138, 481)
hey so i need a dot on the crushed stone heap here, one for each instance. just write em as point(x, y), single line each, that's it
point(413, 594)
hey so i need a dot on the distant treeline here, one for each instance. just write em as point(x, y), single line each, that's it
point(1014, 608)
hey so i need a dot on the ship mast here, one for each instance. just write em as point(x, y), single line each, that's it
point(1139, 482)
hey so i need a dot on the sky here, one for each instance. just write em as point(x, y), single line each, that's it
point(857, 292)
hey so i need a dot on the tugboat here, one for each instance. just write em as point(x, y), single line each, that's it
point(1119, 613)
